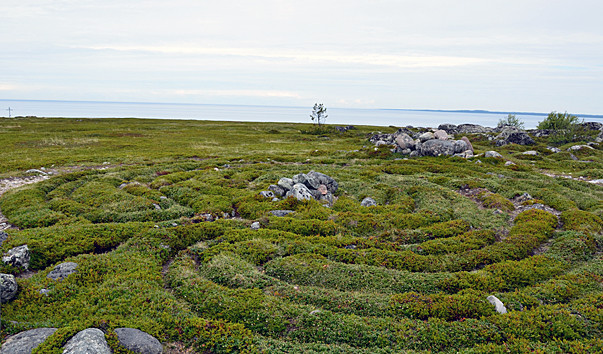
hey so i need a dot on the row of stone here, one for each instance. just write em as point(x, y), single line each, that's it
point(304, 186)
point(88, 341)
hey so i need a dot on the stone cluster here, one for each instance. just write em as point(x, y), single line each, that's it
point(304, 186)
point(437, 143)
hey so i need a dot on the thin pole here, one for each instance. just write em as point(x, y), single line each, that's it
point(9, 110)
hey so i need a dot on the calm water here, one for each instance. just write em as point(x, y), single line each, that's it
point(347, 116)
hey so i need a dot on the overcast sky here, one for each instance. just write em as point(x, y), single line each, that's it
point(437, 54)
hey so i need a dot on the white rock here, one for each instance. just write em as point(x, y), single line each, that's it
point(498, 305)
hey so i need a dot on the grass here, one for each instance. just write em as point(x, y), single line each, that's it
point(128, 201)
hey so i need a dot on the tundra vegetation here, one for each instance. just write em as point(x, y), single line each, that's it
point(157, 215)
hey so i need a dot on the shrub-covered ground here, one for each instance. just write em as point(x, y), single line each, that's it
point(129, 202)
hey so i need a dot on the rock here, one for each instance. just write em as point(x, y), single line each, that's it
point(498, 305)
point(368, 202)
point(8, 287)
point(322, 189)
point(157, 206)
point(599, 137)
point(3, 237)
point(573, 157)
point(448, 128)
point(405, 142)
point(328, 181)
point(27, 341)
point(530, 153)
point(553, 149)
point(315, 312)
point(514, 136)
point(17, 257)
point(301, 192)
point(62, 271)
point(285, 183)
point(493, 154)
point(465, 154)
point(281, 213)
point(509, 163)
point(460, 146)
point(88, 341)
point(267, 194)
point(414, 153)
point(327, 198)
point(466, 140)
point(33, 170)
point(255, 226)
point(384, 138)
point(472, 129)
point(277, 190)
point(275, 199)
point(440, 134)
point(592, 126)
point(437, 147)
point(138, 341)
point(44, 291)
point(426, 136)
point(579, 147)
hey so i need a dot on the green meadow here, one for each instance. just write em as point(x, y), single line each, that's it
point(128, 200)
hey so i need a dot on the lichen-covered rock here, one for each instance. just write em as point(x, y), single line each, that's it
point(405, 142)
point(285, 183)
point(8, 287)
point(25, 342)
point(255, 226)
point(530, 153)
point(328, 181)
point(3, 237)
point(493, 154)
point(368, 202)
point(281, 213)
point(267, 194)
point(472, 129)
point(277, 190)
point(138, 341)
point(426, 136)
point(437, 148)
point(466, 140)
point(18, 257)
point(88, 341)
point(62, 271)
point(448, 128)
point(440, 134)
point(301, 192)
point(460, 146)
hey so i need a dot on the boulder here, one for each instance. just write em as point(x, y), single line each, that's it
point(286, 183)
point(520, 138)
point(574, 148)
point(301, 192)
point(472, 129)
point(138, 341)
point(493, 154)
point(498, 305)
point(599, 137)
point(62, 271)
point(466, 140)
point(255, 226)
point(384, 138)
point(27, 341)
point(437, 148)
point(328, 181)
point(426, 136)
point(277, 190)
point(404, 141)
point(368, 202)
point(440, 134)
point(592, 126)
point(460, 146)
point(553, 149)
point(281, 213)
point(8, 287)
point(88, 341)
point(267, 194)
point(465, 154)
point(448, 128)
point(17, 257)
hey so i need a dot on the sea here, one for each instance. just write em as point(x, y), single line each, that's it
point(249, 113)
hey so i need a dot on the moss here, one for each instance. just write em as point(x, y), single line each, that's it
point(495, 201)
point(583, 221)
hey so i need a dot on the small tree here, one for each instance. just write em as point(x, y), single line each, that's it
point(566, 127)
point(319, 114)
point(511, 120)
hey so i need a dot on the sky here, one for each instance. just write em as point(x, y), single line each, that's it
point(521, 56)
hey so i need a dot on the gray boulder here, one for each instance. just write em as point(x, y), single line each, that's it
point(277, 190)
point(404, 141)
point(255, 226)
point(460, 146)
point(437, 148)
point(328, 181)
point(286, 183)
point(426, 136)
point(138, 341)
point(599, 137)
point(62, 271)
point(448, 128)
point(512, 135)
point(281, 213)
point(592, 125)
point(8, 287)
point(440, 134)
point(267, 194)
point(493, 154)
point(553, 149)
point(472, 129)
point(530, 153)
point(301, 192)
point(498, 305)
point(88, 341)
point(25, 342)
point(368, 202)
point(18, 257)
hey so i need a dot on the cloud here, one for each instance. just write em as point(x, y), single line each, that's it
point(243, 93)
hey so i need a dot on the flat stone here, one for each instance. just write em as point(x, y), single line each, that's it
point(25, 342)
point(88, 341)
point(530, 153)
point(62, 271)
point(281, 213)
point(138, 341)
